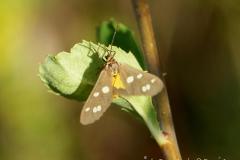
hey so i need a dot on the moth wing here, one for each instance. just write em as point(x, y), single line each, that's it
point(138, 82)
point(99, 99)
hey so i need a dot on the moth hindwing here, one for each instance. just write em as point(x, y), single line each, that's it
point(99, 99)
point(138, 82)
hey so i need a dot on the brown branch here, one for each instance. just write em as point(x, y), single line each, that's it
point(141, 8)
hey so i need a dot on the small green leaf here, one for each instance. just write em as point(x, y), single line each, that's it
point(124, 38)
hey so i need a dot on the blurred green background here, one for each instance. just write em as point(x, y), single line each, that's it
point(199, 46)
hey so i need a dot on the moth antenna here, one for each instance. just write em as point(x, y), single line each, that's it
point(109, 54)
point(113, 38)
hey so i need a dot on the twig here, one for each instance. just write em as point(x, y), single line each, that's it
point(141, 8)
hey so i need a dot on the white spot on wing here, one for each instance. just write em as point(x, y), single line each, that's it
point(130, 79)
point(148, 86)
point(153, 80)
point(99, 108)
point(94, 109)
point(139, 76)
point(144, 89)
point(105, 89)
point(96, 94)
point(87, 109)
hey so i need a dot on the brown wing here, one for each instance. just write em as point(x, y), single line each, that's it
point(99, 99)
point(138, 82)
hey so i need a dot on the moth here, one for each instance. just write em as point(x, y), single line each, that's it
point(117, 79)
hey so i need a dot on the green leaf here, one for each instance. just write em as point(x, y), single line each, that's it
point(74, 74)
point(124, 38)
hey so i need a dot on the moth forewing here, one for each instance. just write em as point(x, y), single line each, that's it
point(138, 82)
point(99, 99)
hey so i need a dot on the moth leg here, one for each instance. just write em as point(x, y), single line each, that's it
point(91, 49)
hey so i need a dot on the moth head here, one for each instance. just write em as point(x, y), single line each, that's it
point(109, 56)
point(113, 66)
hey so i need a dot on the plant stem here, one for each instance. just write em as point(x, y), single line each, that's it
point(141, 8)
